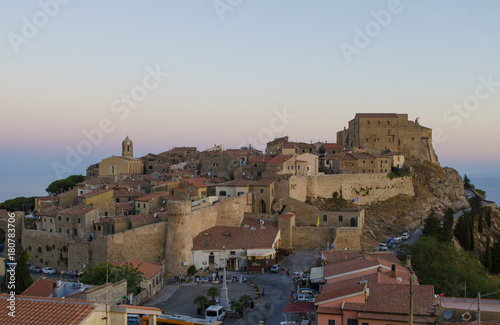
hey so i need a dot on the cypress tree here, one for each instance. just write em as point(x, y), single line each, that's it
point(23, 276)
point(447, 229)
point(488, 217)
point(495, 256)
point(432, 226)
point(487, 255)
point(480, 224)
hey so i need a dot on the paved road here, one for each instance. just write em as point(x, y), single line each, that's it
point(277, 286)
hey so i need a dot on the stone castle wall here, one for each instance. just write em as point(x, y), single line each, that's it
point(369, 188)
point(184, 225)
point(46, 248)
point(347, 238)
point(312, 237)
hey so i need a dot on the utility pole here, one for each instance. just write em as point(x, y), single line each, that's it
point(410, 307)
point(478, 308)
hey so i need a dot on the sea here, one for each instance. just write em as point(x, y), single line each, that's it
point(35, 185)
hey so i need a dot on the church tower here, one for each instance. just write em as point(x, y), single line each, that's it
point(127, 148)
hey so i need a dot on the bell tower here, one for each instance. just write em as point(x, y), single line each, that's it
point(127, 148)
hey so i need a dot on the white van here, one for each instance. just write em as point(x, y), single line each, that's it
point(215, 313)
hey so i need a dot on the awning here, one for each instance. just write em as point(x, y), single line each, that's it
point(317, 274)
point(263, 252)
point(300, 307)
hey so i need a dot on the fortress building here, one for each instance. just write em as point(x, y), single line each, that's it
point(389, 131)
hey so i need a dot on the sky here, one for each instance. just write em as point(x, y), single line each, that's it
point(77, 77)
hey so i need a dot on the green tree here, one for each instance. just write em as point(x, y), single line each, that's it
point(63, 185)
point(471, 232)
point(97, 274)
point(202, 302)
point(467, 183)
point(487, 255)
point(246, 299)
point(447, 228)
point(480, 224)
point(192, 270)
point(495, 257)
point(441, 265)
point(212, 292)
point(488, 216)
point(462, 232)
point(26, 204)
point(475, 205)
point(432, 226)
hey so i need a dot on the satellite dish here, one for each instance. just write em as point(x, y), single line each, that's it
point(448, 314)
point(399, 279)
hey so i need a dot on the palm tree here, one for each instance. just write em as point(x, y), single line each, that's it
point(213, 291)
point(202, 302)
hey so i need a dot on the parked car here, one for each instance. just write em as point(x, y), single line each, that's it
point(406, 235)
point(382, 247)
point(296, 275)
point(48, 270)
point(74, 273)
point(305, 297)
point(308, 291)
point(276, 268)
point(35, 269)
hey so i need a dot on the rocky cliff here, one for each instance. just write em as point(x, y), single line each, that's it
point(435, 188)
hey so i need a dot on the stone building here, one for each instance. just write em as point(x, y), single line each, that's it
point(388, 131)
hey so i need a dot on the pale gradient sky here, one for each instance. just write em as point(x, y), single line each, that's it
point(226, 76)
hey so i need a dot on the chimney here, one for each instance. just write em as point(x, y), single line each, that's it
point(408, 261)
point(54, 290)
point(393, 271)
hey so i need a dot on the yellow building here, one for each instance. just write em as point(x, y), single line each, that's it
point(124, 164)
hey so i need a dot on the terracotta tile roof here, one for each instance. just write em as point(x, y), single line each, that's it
point(242, 237)
point(393, 298)
point(50, 198)
point(375, 115)
point(332, 145)
point(38, 311)
point(261, 159)
point(77, 209)
point(304, 145)
point(279, 159)
point(142, 307)
point(329, 310)
point(124, 192)
point(143, 218)
point(148, 270)
point(151, 196)
point(358, 264)
point(334, 291)
point(124, 206)
point(41, 288)
point(94, 193)
point(199, 182)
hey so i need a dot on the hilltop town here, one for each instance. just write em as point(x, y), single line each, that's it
point(183, 207)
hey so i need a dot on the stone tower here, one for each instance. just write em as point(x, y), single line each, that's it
point(127, 148)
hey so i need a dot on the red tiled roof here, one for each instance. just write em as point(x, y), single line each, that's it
point(376, 115)
point(261, 158)
point(279, 159)
point(300, 307)
point(38, 311)
point(124, 192)
point(77, 209)
point(237, 237)
point(393, 298)
point(41, 288)
point(198, 182)
point(151, 196)
point(401, 318)
point(148, 270)
point(349, 266)
point(124, 206)
point(332, 145)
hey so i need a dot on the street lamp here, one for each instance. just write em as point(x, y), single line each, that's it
point(224, 296)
